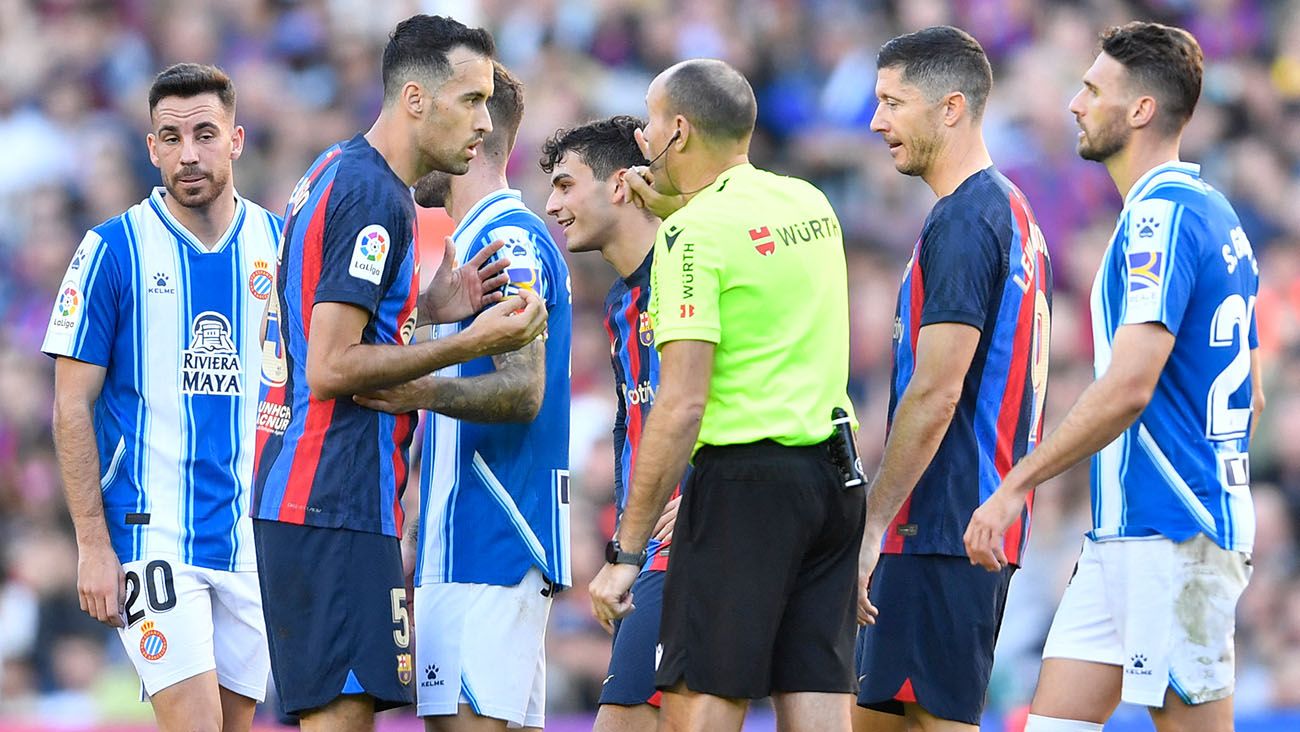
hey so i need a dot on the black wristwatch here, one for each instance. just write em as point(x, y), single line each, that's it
point(614, 554)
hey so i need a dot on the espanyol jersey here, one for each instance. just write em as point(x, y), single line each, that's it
point(636, 380)
point(349, 237)
point(177, 328)
point(1179, 257)
point(981, 260)
point(495, 497)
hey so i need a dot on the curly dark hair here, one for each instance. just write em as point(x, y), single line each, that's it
point(606, 145)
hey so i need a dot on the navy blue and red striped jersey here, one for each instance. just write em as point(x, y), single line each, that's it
point(348, 237)
point(636, 380)
point(981, 260)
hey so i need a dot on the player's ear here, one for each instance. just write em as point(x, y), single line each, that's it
point(413, 98)
point(954, 108)
point(151, 142)
point(1141, 112)
point(237, 143)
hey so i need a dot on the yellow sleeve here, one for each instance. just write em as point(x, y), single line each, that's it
point(684, 284)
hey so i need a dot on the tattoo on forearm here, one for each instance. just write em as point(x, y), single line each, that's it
point(511, 393)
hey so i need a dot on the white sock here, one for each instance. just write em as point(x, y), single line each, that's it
point(1036, 723)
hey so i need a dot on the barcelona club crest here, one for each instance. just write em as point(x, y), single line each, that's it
point(646, 329)
point(404, 668)
point(153, 644)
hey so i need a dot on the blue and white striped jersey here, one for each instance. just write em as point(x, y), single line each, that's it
point(1180, 258)
point(178, 329)
point(495, 497)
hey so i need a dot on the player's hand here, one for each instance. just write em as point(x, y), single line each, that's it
point(868, 557)
point(667, 520)
point(509, 325)
point(399, 399)
point(611, 593)
point(987, 527)
point(101, 584)
point(636, 186)
point(458, 292)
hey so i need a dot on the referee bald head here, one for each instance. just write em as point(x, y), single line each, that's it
point(701, 116)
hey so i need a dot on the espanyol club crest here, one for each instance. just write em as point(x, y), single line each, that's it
point(261, 281)
point(153, 644)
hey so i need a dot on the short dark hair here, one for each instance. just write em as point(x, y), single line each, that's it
point(939, 60)
point(606, 145)
point(1163, 61)
point(714, 97)
point(506, 107)
point(419, 47)
point(190, 80)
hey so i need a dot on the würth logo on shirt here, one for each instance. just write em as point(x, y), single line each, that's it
point(211, 363)
point(763, 242)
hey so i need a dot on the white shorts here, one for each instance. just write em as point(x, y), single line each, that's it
point(184, 620)
point(1164, 611)
point(483, 645)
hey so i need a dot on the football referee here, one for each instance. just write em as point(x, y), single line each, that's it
point(750, 311)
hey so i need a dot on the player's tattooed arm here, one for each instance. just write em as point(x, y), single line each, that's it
point(101, 584)
point(511, 393)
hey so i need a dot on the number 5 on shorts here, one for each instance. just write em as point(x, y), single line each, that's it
point(401, 616)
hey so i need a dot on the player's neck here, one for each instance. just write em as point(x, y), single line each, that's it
point(953, 166)
point(467, 190)
point(397, 149)
point(207, 223)
point(632, 239)
point(1137, 159)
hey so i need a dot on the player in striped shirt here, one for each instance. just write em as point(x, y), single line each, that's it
point(1148, 617)
point(493, 534)
point(585, 164)
point(155, 330)
point(969, 379)
point(329, 472)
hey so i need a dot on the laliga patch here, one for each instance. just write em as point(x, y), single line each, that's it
point(369, 254)
point(153, 644)
point(67, 307)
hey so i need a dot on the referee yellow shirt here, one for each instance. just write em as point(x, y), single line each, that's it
point(755, 264)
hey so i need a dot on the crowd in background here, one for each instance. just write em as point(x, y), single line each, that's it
point(73, 116)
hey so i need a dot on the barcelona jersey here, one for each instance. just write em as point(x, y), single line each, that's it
point(636, 380)
point(349, 237)
point(981, 260)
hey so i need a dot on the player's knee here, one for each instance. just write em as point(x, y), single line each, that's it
point(1037, 723)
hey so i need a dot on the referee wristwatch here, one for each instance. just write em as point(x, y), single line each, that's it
point(614, 554)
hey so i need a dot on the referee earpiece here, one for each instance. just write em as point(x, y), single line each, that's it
point(676, 134)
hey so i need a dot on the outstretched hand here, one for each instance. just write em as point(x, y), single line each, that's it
point(509, 325)
point(458, 292)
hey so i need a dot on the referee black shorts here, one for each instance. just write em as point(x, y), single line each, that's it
point(761, 593)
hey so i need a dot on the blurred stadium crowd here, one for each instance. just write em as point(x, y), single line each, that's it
point(73, 116)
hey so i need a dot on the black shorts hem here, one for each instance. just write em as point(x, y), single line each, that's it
point(760, 593)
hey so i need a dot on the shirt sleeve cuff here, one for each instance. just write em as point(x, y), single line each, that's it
point(361, 300)
point(975, 320)
point(693, 333)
